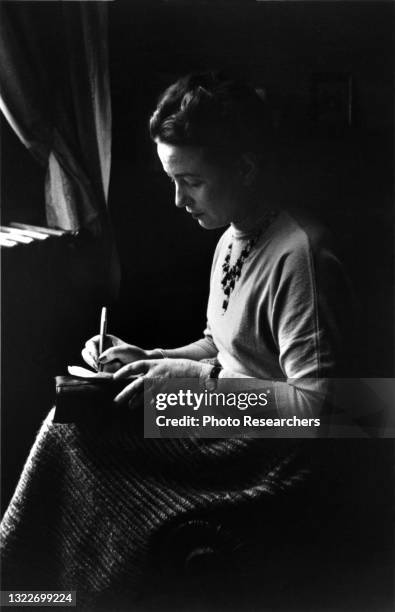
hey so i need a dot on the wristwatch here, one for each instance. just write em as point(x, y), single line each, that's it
point(212, 380)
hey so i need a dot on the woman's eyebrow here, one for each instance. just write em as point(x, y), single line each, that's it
point(182, 174)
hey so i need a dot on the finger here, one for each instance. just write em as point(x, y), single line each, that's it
point(113, 366)
point(123, 353)
point(137, 367)
point(89, 358)
point(130, 391)
point(109, 340)
point(92, 346)
point(110, 354)
point(93, 340)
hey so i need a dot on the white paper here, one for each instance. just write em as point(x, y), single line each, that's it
point(85, 373)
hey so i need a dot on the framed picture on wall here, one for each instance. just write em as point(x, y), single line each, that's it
point(331, 99)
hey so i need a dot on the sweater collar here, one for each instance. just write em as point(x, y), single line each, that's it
point(254, 225)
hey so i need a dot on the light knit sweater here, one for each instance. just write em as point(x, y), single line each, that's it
point(287, 316)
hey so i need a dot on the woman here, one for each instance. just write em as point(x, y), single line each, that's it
point(278, 297)
point(124, 514)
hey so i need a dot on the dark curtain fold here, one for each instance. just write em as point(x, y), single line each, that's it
point(55, 93)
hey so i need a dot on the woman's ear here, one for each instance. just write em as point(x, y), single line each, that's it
point(248, 168)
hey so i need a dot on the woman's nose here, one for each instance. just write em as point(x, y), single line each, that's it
point(180, 197)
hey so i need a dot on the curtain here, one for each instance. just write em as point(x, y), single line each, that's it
point(55, 93)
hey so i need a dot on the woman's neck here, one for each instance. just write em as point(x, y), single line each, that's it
point(253, 220)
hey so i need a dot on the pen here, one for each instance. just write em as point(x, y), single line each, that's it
point(103, 331)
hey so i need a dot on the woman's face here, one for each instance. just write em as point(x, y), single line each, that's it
point(212, 194)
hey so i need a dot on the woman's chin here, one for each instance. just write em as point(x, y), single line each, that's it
point(209, 224)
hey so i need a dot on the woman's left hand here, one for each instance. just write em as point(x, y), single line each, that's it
point(146, 370)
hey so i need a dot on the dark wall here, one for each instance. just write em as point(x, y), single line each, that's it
point(342, 173)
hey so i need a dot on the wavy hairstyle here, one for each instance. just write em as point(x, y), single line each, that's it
point(225, 116)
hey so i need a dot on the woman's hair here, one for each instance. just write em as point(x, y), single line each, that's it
point(225, 116)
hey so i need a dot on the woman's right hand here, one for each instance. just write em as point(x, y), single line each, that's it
point(116, 355)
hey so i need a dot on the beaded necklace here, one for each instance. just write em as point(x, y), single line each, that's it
point(231, 274)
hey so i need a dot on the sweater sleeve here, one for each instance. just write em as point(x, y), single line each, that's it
point(311, 304)
point(207, 343)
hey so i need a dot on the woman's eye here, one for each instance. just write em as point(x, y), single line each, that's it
point(194, 184)
point(185, 183)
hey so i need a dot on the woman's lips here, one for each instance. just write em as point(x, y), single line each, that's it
point(194, 213)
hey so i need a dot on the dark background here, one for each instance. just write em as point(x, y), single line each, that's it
point(342, 173)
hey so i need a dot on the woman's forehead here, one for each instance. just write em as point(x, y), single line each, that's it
point(178, 159)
